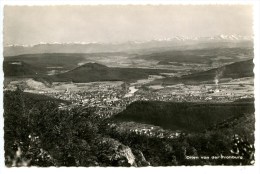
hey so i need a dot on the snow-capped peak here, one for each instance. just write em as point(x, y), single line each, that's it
point(220, 37)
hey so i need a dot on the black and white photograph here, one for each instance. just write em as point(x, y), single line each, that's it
point(128, 85)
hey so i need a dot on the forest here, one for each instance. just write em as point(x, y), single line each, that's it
point(185, 116)
point(37, 133)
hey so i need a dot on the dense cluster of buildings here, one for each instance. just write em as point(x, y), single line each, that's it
point(145, 130)
point(110, 101)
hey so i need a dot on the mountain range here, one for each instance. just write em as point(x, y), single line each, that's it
point(178, 42)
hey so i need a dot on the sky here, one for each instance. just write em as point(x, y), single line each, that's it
point(34, 24)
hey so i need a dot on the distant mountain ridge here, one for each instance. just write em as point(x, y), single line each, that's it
point(131, 46)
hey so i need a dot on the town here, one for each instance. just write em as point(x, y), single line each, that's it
point(112, 97)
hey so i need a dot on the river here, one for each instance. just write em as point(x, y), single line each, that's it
point(131, 92)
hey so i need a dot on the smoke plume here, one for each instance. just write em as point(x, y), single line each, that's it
point(219, 74)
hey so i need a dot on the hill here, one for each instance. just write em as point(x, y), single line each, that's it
point(91, 72)
point(20, 69)
point(190, 117)
point(31, 98)
point(234, 71)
